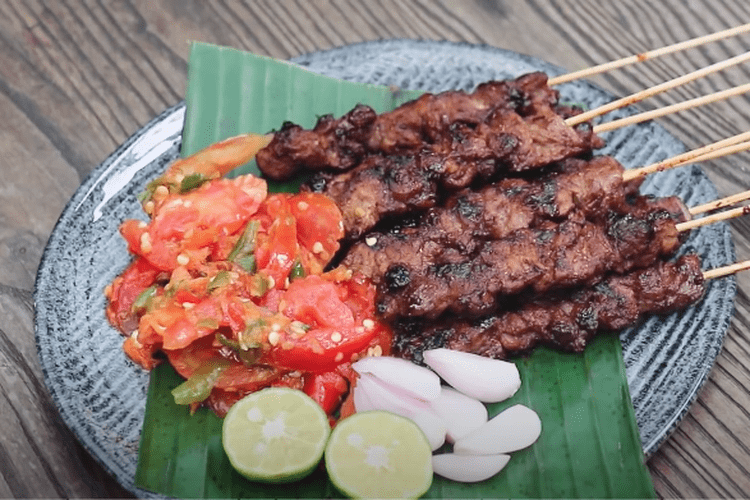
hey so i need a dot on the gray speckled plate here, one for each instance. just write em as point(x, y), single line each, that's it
point(101, 395)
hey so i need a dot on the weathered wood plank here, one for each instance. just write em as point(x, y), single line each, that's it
point(39, 456)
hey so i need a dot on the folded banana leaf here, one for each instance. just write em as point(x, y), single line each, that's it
point(589, 446)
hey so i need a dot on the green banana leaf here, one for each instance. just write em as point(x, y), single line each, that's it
point(589, 446)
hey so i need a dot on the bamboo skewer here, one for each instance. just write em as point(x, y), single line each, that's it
point(737, 148)
point(674, 108)
point(722, 203)
point(644, 56)
point(715, 150)
point(720, 272)
point(656, 89)
point(710, 219)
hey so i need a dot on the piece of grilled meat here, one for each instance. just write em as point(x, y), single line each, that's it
point(384, 186)
point(376, 166)
point(574, 252)
point(340, 144)
point(468, 219)
point(565, 321)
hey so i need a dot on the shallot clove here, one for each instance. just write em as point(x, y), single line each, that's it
point(460, 413)
point(513, 429)
point(468, 468)
point(378, 395)
point(488, 380)
point(362, 401)
point(384, 396)
point(418, 381)
point(433, 426)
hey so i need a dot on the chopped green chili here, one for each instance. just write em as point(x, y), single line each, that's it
point(252, 336)
point(259, 285)
point(198, 387)
point(221, 279)
point(248, 355)
point(297, 271)
point(245, 246)
point(143, 301)
point(192, 181)
point(247, 263)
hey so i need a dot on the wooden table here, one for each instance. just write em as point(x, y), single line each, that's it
point(79, 77)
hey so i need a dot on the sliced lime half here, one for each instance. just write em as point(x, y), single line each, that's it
point(275, 435)
point(376, 454)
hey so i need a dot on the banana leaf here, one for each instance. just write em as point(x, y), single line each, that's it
point(589, 446)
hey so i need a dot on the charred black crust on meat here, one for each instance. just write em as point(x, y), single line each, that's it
point(564, 321)
point(396, 277)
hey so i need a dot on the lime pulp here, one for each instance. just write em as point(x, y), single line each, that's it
point(275, 435)
point(377, 454)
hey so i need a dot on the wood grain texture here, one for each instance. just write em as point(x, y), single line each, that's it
point(79, 77)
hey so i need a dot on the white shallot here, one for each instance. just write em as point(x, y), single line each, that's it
point(461, 413)
point(513, 429)
point(383, 396)
point(361, 400)
point(416, 380)
point(433, 427)
point(379, 395)
point(488, 380)
point(468, 468)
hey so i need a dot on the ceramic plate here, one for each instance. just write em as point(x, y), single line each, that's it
point(101, 395)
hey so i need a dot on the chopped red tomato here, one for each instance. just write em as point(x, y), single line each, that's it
point(327, 389)
point(228, 283)
point(143, 354)
point(319, 227)
point(237, 376)
point(318, 303)
point(334, 332)
point(278, 248)
point(191, 225)
point(125, 289)
point(347, 405)
point(221, 400)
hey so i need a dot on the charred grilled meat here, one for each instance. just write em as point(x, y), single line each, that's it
point(594, 188)
point(385, 186)
point(340, 144)
point(566, 321)
point(573, 253)
point(379, 165)
point(379, 187)
point(484, 198)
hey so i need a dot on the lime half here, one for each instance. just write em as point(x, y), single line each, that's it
point(275, 435)
point(376, 454)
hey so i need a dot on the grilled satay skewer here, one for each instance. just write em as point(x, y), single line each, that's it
point(674, 108)
point(552, 256)
point(594, 187)
point(730, 145)
point(727, 270)
point(719, 204)
point(340, 144)
point(518, 124)
point(710, 219)
point(424, 277)
point(566, 321)
point(391, 186)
